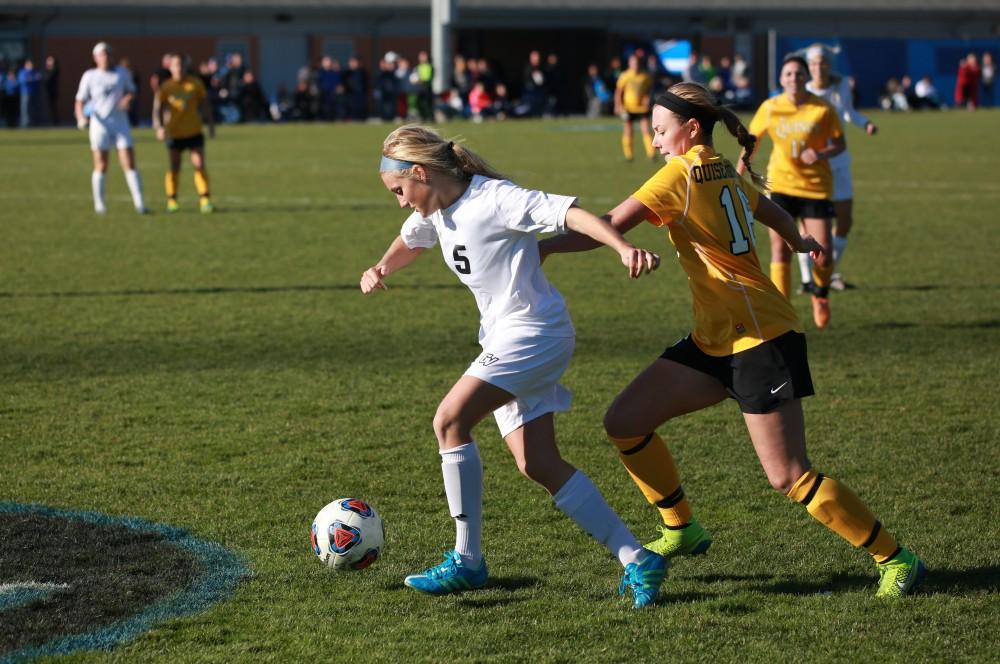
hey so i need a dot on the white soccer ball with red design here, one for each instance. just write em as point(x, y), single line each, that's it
point(348, 534)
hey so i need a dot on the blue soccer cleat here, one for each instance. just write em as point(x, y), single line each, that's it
point(644, 579)
point(449, 577)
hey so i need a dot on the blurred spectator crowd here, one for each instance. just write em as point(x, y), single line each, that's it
point(398, 90)
point(974, 87)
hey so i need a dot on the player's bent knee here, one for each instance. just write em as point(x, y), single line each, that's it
point(448, 425)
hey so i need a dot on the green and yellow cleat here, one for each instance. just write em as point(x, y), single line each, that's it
point(691, 540)
point(899, 575)
point(206, 206)
point(172, 205)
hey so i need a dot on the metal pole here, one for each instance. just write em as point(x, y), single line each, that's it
point(443, 14)
point(772, 59)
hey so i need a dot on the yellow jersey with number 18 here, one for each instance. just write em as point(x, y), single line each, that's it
point(708, 209)
point(793, 129)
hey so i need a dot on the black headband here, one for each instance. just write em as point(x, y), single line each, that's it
point(686, 109)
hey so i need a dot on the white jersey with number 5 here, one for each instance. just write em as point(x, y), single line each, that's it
point(488, 239)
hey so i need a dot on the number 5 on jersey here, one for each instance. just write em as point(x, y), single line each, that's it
point(461, 261)
point(739, 245)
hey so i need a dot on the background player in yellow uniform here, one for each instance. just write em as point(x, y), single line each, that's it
point(183, 100)
point(747, 343)
point(632, 103)
point(806, 132)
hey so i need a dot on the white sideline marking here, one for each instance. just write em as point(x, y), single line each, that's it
point(31, 585)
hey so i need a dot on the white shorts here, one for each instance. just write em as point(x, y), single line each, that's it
point(111, 132)
point(843, 188)
point(529, 369)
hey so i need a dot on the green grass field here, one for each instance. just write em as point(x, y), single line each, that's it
point(224, 375)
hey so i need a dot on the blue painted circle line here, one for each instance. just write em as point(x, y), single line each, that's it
point(220, 571)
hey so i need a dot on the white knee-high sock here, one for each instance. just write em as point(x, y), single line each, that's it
point(580, 500)
point(839, 247)
point(805, 268)
point(135, 187)
point(463, 484)
point(97, 186)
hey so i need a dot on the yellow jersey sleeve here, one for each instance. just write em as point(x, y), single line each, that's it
point(759, 123)
point(665, 194)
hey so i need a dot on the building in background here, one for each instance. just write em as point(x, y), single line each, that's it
point(277, 38)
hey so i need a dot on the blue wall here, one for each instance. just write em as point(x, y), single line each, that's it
point(874, 61)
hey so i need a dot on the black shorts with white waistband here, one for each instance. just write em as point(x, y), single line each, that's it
point(760, 378)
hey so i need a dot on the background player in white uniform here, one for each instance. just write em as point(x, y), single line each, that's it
point(486, 227)
point(835, 89)
point(110, 91)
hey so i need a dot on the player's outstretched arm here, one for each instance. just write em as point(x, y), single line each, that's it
point(638, 261)
point(774, 216)
point(396, 257)
point(623, 218)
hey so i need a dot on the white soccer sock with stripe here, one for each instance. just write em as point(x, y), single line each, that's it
point(463, 485)
point(97, 186)
point(135, 186)
point(805, 268)
point(580, 500)
point(839, 247)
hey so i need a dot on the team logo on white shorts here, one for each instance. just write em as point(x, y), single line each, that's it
point(486, 359)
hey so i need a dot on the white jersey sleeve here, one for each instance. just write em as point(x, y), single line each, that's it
point(847, 111)
point(531, 211)
point(418, 232)
point(83, 92)
point(127, 83)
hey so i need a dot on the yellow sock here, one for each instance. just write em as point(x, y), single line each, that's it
point(201, 182)
point(170, 183)
point(781, 275)
point(839, 509)
point(627, 146)
point(822, 275)
point(649, 462)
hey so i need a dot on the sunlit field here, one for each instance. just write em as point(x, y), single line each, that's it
point(223, 374)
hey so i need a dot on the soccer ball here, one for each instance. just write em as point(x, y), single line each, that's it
point(347, 534)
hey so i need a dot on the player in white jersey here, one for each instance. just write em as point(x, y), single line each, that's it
point(487, 228)
point(836, 90)
point(109, 90)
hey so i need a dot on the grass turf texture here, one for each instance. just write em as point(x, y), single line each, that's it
point(224, 374)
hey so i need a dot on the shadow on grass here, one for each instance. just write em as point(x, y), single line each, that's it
point(509, 585)
point(211, 290)
point(990, 324)
point(962, 581)
point(768, 583)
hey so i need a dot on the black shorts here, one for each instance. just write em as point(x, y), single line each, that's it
point(761, 378)
point(189, 143)
point(800, 207)
point(636, 116)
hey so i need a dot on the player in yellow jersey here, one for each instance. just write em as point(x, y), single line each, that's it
point(632, 104)
point(178, 109)
point(747, 343)
point(806, 132)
